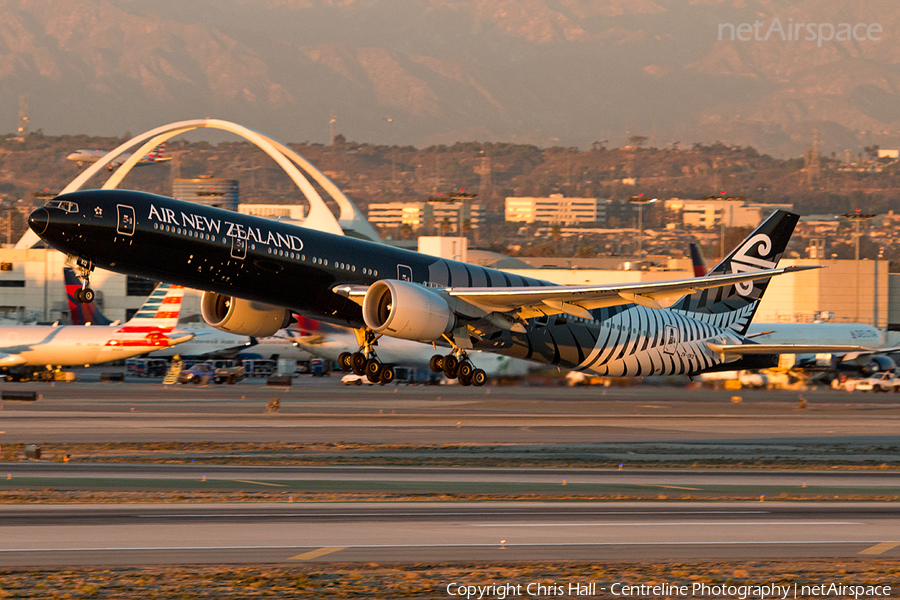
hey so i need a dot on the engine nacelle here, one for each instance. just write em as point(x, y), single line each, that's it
point(406, 310)
point(242, 317)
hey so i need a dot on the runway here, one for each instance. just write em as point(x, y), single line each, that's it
point(279, 533)
point(320, 412)
point(485, 434)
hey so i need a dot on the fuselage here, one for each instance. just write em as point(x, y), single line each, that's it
point(91, 156)
point(67, 345)
point(284, 265)
point(817, 333)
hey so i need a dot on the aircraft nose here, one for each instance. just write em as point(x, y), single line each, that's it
point(38, 220)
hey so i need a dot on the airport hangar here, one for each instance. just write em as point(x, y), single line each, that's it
point(32, 287)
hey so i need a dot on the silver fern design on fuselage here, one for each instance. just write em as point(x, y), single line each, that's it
point(631, 340)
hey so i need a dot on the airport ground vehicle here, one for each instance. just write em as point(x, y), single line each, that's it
point(146, 367)
point(197, 374)
point(259, 368)
point(229, 374)
point(879, 382)
point(319, 367)
point(354, 379)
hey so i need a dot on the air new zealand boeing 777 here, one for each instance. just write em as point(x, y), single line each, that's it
point(257, 272)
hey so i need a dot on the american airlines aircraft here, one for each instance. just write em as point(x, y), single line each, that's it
point(256, 273)
point(91, 156)
point(151, 328)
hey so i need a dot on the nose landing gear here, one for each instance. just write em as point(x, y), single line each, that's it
point(457, 365)
point(364, 362)
point(83, 270)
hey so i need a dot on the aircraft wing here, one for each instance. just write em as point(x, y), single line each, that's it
point(577, 300)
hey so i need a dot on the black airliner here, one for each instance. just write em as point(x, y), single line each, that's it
point(257, 272)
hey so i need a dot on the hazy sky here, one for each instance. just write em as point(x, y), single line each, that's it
point(551, 73)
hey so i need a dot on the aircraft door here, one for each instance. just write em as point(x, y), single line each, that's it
point(671, 339)
point(238, 247)
point(125, 222)
point(404, 273)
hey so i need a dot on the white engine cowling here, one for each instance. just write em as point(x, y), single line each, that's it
point(406, 310)
point(242, 317)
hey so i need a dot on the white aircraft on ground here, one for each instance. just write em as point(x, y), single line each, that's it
point(209, 341)
point(331, 341)
point(84, 155)
point(151, 328)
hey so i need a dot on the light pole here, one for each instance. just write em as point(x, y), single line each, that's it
point(641, 201)
point(857, 216)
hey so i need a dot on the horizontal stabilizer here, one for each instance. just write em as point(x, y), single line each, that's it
point(747, 349)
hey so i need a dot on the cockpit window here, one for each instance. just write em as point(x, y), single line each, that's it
point(65, 205)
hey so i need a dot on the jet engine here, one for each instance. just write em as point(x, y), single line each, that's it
point(406, 310)
point(878, 364)
point(242, 317)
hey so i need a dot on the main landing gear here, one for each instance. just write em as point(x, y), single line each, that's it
point(83, 270)
point(457, 365)
point(364, 362)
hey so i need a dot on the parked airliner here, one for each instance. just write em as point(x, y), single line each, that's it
point(256, 273)
point(337, 343)
point(151, 328)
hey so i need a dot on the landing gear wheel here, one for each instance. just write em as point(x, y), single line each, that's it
point(87, 295)
point(479, 377)
point(358, 363)
point(451, 366)
point(77, 296)
point(464, 381)
point(387, 375)
point(465, 369)
point(436, 363)
point(344, 361)
point(373, 367)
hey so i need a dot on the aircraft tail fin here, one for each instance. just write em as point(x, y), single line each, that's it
point(81, 313)
point(698, 261)
point(734, 306)
point(161, 309)
point(156, 154)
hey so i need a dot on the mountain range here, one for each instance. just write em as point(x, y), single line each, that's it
point(545, 72)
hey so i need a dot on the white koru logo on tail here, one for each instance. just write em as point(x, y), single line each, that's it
point(742, 263)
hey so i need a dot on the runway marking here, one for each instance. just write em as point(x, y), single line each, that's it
point(317, 553)
point(656, 524)
point(670, 487)
point(881, 548)
point(448, 514)
point(474, 545)
point(256, 482)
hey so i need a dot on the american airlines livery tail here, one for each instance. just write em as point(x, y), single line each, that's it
point(160, 311)
point(152, 328)
point(257, 273)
